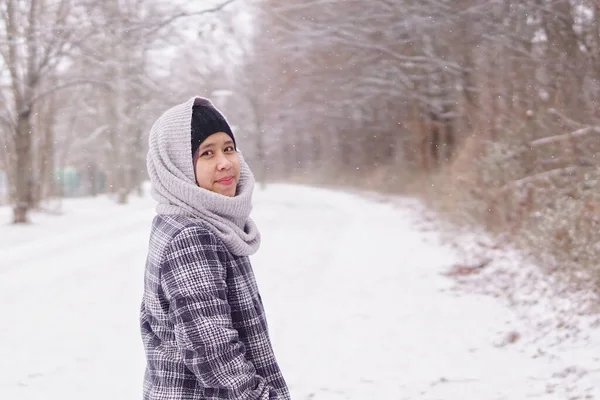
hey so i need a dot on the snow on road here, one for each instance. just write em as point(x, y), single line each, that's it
point(356, 303)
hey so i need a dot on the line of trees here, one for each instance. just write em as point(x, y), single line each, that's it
point(491, 104)
point(80, 82)
point(406, 83)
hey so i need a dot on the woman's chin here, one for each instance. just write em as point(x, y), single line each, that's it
point(227, 191)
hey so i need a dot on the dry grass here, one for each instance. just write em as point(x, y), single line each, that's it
point(555, 220)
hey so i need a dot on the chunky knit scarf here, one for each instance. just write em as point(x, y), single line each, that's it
point(171, 171)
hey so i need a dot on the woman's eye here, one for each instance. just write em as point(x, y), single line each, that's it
point(207, 153)
point(229, 149)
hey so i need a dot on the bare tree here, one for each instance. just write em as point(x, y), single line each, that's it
point(38, 39)
point(35, 37)
point(496, 102)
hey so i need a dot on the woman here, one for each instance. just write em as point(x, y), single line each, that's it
point(202, 319)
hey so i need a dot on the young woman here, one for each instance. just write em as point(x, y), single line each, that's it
point(202, 320)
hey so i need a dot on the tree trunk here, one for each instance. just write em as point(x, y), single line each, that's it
point(261, 157)
point(93, 171)
point(45, 153)
point(23, 171)
point(122, 196)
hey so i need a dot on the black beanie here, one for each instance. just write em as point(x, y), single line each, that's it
point(205, 122)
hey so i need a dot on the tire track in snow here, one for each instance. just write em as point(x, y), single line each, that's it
point(68, 250)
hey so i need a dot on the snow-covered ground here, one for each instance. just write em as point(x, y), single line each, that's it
point(354, 288)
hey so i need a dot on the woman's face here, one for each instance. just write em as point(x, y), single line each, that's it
point(218, 165)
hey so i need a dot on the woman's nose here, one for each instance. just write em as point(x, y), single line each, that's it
point(223, 162)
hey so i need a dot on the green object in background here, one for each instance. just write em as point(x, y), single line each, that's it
point(67, 179)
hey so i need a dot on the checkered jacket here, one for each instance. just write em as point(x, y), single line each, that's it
point(202, 320)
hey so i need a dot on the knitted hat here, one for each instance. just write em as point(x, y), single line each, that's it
point(207, 120)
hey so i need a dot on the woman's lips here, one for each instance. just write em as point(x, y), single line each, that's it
point(226, 181)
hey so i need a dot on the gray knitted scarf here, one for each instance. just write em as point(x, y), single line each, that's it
point(174, 187)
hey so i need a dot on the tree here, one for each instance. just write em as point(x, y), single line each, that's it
point(39, 40)
point(36, 37)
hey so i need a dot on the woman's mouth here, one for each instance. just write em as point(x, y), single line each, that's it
point(226, 181)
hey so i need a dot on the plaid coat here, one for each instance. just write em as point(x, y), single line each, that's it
point(202, 320)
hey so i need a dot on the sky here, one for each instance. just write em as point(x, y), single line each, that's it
point(224, 43)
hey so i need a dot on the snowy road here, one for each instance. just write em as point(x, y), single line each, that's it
point(355, 300)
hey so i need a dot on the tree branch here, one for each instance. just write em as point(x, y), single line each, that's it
point(72, 83)
point(13, 53)
point(553, 111)
point(542, 175)
point(161, 24)
point(54, 42)
point(566, 136)
point(7, 122)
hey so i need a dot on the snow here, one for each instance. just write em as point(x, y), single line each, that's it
point(354, 287)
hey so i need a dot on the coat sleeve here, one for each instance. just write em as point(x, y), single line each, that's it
point(193, 280)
